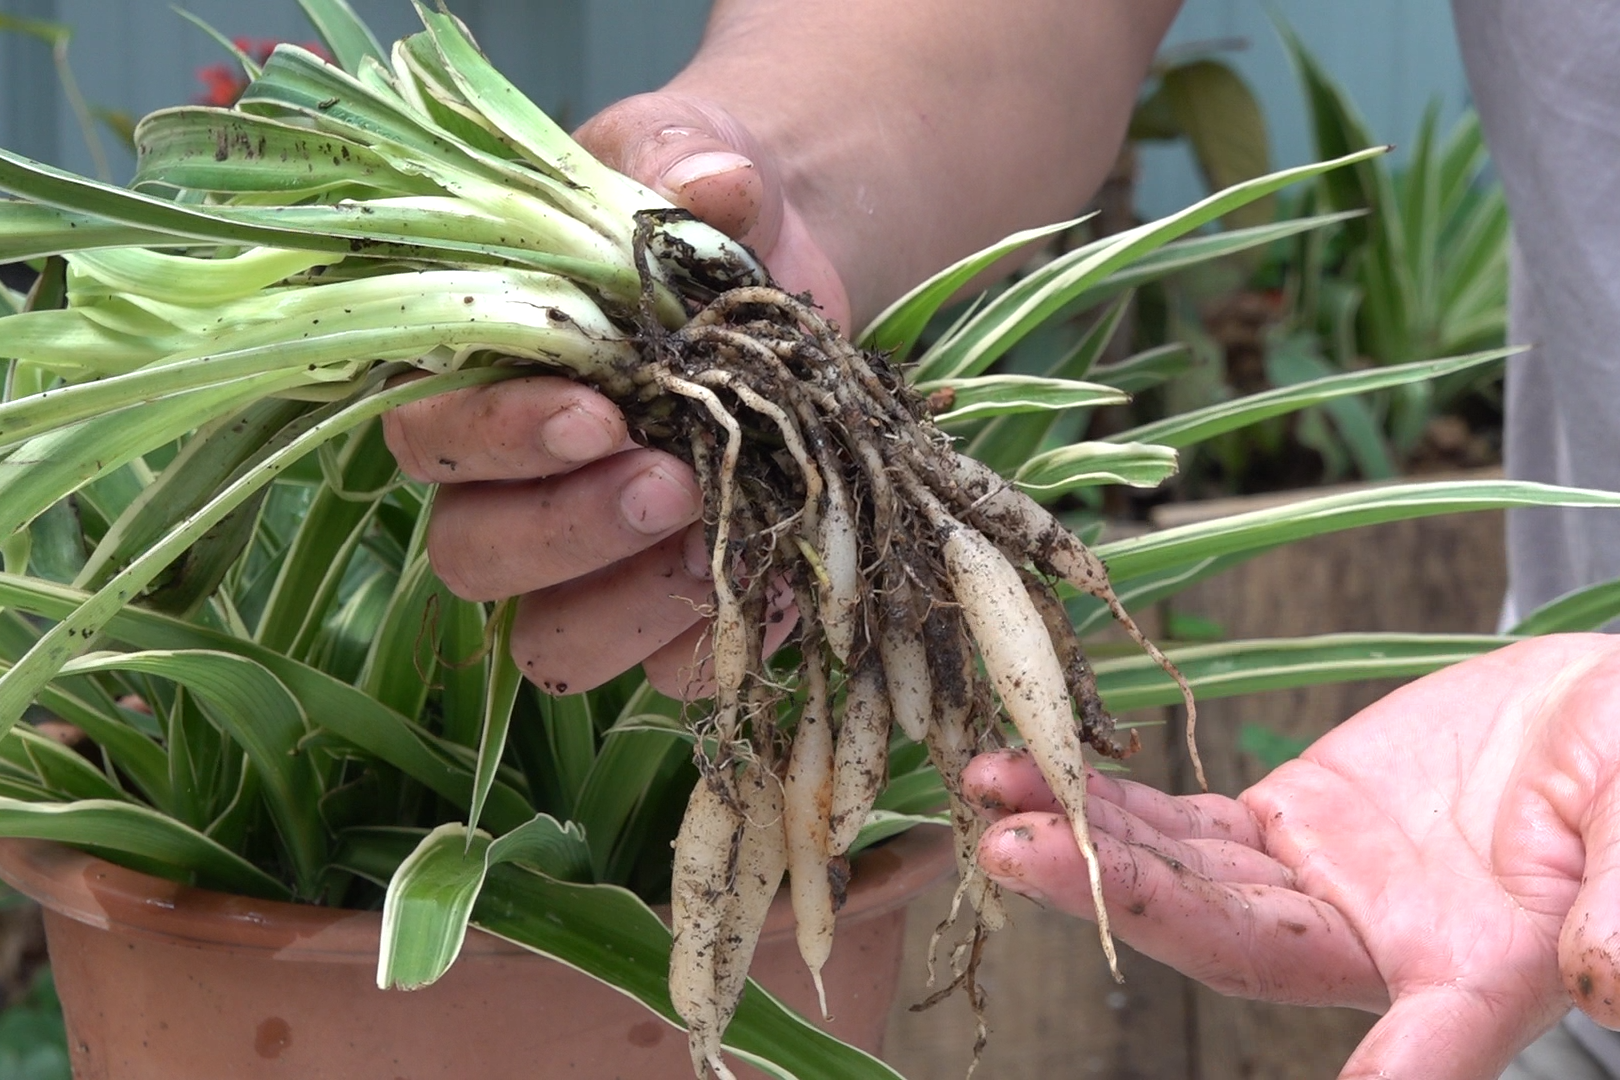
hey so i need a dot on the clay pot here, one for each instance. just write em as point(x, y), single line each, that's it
point(161, 981)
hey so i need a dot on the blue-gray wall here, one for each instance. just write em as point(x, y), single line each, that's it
point(574, 56)
point(571, 56)
point(1394, 57)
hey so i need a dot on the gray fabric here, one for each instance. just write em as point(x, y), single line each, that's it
point(1546, 81)
point(1557, 1055)
point(1600, 1042)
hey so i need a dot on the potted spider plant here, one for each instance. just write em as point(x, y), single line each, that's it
point(213, 569)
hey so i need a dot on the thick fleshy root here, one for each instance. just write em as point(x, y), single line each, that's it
point(910, 565)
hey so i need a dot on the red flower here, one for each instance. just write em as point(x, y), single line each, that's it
point(223, 83)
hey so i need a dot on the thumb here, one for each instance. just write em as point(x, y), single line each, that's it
point(1589, 945)
point(695, 155)
point(702, 159)
point(1446, 1033)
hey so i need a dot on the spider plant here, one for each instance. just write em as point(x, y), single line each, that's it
point(214, 570)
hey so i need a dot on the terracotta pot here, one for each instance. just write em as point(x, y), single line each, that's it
point(160, 981)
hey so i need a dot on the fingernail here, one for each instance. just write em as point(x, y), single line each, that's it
point(656, 502)
point(696, 554)
point(701, 166)
point(575, 435)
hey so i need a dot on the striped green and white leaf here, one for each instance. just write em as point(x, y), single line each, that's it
point(1247, 667)
point(1259, 530)
point(1054, 287)
point(1191, 427)
point(997, 395)
point(430, 897)
point(1089, 464)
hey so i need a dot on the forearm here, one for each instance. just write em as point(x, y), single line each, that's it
point(911, 134)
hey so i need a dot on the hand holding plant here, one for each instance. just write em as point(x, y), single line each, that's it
point(1459, 881)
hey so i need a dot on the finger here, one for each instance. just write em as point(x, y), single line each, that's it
point(1004, 782)
point(488, 541)
point(1218, 860)
point(695, 155)
point(520, 429)
point(1008, 781)
point(1446, 1033)
point(1589, 944)
point(684, 668)
point(1258, 941)
point(700, 158)
point(578, 635)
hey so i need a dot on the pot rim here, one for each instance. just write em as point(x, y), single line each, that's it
point(90, 890)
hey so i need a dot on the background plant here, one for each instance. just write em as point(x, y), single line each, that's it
point(1417, 270)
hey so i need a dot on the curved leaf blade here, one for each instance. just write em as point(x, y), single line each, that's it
point(897, 328)
point(263, 717)
point(1246, 667)
point(1590, 608)
point(1260, 529)
point(128, 833)
point(1200, 424)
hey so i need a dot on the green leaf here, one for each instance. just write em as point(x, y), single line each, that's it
point(73, 634)
point(1091, 463)
point(1199, 424)
point(1220, 117)
point(62, 771)
point(135, 755)
point(1246, 667)
point(344, 33)
point(139, 836)
point(1590, 608)
point(454, 234)
point(332, 705)
point(402, 661)
point(880, 825)
point(499, 699)
point(1294, 361)
point(206, 462)
point(261, 716)
point(1146, 369)
point(997, 395)
point(49, 467)
point(1046, 291)
point(430, 897)
point(1261, 529)
point(229, 152)
point(608, 932)
point(897, 328)
point(328, 535)
point(621, 779)
point(1193, 251)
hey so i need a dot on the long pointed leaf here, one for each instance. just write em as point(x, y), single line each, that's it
point(344, 32)
point(1247, 667)
point(1260, 529)
point(74, 633)
point(1200, 424)
point(1590, 608)
point(499, 699)
point(1037, 297)
point(139, 836)
point(262, 717)
point(897, 328)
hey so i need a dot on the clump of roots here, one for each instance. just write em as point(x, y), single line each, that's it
point(909, 564)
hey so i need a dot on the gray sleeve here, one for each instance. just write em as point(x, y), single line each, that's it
point(1545, 81)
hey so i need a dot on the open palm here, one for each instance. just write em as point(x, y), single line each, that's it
point(1449, 857)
